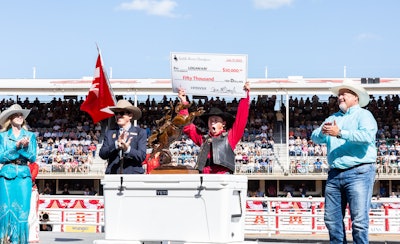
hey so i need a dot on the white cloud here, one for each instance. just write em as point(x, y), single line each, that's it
point(271, 4)
point(367, 36)
point(152, 7)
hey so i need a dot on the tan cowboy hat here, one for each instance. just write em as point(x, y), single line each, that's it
point(13, 109)
point(124, 105)
point(363, 97)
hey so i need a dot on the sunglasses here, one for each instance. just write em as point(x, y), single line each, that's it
point(16, 115)
point(121, 113)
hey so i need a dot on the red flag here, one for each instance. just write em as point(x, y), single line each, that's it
point(100, 95)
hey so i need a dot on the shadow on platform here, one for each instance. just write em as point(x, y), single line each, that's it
point(64, 237)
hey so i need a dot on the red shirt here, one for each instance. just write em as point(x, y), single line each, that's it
point(234, 134)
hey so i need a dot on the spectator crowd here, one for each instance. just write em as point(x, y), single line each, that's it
point(68, 140)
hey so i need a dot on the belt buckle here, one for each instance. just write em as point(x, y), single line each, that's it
point(17, 162)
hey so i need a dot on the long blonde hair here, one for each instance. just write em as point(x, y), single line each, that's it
point(7, 125)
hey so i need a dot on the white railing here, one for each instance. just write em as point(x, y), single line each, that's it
point(306, 215)
point(71, 213)
point(267, 215)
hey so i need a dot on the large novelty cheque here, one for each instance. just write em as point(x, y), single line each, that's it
point(209, 74)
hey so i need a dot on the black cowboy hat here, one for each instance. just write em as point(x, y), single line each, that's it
point(214, 111)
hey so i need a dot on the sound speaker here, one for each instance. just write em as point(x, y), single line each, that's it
point(363, 80)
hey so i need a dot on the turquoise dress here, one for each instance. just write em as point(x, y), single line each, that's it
point(15, 186)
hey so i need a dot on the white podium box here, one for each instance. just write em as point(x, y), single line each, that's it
point(187, 208)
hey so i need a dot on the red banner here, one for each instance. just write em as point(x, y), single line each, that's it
point(100, 95)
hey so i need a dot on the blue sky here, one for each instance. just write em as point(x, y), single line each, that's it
point(310, 38)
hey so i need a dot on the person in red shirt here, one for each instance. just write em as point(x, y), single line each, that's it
point(224, 132)
point(93, 148)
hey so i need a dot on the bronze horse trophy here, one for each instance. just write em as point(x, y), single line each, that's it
point(169, 129)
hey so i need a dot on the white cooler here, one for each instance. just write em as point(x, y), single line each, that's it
point(187, 208)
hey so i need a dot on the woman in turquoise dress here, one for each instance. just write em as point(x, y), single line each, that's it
point(17, 147)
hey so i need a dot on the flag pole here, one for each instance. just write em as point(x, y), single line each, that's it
point(105, 73)
point(135, 104)
point(108, 126)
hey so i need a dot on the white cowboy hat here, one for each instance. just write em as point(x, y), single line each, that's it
point(363, 97)
point(124, 105)
point(13, 109)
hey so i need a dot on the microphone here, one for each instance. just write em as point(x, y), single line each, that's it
point(121, 133)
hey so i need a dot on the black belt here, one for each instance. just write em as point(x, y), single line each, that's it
point(17, 162)
point(355, 166)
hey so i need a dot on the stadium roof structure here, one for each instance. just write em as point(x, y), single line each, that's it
point(295, 85)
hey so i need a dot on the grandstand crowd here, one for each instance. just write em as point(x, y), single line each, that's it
point(68, 140)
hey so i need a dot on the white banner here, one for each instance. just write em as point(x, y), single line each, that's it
point(209, 74)
point(33, 219)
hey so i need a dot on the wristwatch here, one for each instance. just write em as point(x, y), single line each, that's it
point(339, 135)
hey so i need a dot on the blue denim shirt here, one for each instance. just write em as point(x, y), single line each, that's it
point(9, 152)
point(357, 144)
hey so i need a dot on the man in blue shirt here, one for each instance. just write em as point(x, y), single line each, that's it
point(318, 166)
point(350, 136)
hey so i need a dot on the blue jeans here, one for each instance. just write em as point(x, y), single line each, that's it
point(353, 187)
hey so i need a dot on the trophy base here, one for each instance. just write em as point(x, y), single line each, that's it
point(169, 169)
